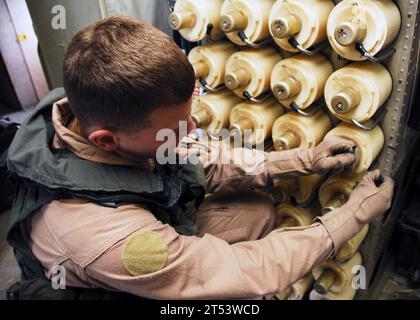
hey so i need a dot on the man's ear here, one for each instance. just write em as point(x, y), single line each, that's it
point(104, 139)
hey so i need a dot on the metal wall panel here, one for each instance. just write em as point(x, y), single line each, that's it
point(154, 11)
point(14, 59)
point(80, 13)
point(53, 43)
point(28, 42)
point(399, 137)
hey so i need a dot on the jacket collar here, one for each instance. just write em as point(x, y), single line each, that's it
point(68, 135)
point(31, 157)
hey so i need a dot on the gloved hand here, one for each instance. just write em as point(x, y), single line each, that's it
point(371, 197)
point(197, 147)
point(367, 201)
point(333, 154)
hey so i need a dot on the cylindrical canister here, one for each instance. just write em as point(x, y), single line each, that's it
point(211, 111)
point(288, 215)
point(347, 293)
point(250, 70)
point(193, 17)
point(372, 23)
point(333, 194)
point(358, 90)
point(302, 189)
point(336, 190)
point(334, 280)
point(368, 143)
point(300, 79)
point(350, 248)
point(336, 60)
point(209, 61)
point(298, 290)
point(306, 21)
point(292, 130)
point(249, 16)
point(259, 118)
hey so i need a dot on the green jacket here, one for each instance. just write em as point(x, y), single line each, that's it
point(41, 174)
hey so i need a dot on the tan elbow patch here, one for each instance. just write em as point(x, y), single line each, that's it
point(144, 253)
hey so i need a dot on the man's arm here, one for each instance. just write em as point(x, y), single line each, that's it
point(210, 268)
point(181, 267)
point(230, 168)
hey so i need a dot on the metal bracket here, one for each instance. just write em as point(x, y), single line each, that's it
point(171, 5)
point(303, 205)
point(258, 44)
point(204, 83)
point(377, 117)
point(295, 108)
point(385, 54)
point(260, 99)
point(209, 29)
point(314, 50)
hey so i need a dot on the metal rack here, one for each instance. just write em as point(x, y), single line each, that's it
point(399, 138)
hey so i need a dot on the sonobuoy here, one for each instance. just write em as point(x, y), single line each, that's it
point(305, 21)
point(250, 70)
point(368, 143)
point(209, 61)
point(358, 90)
point(373, 24)
point(211, 111)
point(256, 117)
point(300, 79)
point(248, 16)
point(192, 18)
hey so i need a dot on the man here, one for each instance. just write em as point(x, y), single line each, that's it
point(90, 201)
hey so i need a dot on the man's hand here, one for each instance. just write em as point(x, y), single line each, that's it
point(225, 161)
point(333, 154)
point(372, 197)
point(197, 147)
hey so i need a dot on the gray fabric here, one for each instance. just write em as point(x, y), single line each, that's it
point(79, 13)
point(153, 11)
point(53, 43)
